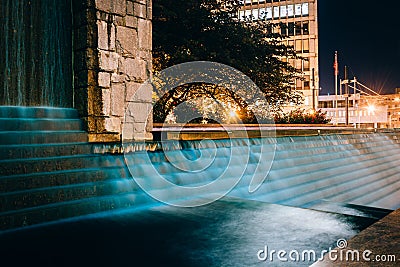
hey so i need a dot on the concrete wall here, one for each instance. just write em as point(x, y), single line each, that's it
point(112, 57)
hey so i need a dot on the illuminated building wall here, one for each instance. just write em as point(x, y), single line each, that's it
point(299, 24)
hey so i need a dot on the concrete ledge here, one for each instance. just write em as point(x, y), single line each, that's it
point(224, 131)
point(382, 239)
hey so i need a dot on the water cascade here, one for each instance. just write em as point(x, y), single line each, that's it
point(313, 171)
point(36, 54)
point(48, 170)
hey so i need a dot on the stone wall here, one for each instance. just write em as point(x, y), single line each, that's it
point(112, 44)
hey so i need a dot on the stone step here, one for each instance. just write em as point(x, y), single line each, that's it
point(43, 196)
point(53, 164)
point(37, 112)
point(42, 124)
point(60, 178)
point(10, 152)
point(42, 137)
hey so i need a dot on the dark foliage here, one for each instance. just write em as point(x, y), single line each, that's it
point(207, 30)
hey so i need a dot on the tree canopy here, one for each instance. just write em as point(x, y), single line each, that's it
point(208, 30)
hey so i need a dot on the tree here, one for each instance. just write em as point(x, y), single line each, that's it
point(194, 30)
point(300, 116)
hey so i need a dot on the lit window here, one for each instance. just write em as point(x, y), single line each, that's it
point(255, 14)
point(297, 9)
point(268, 12)
point(290, 10)
point(304, 9)
point(283, 12)
point(276, 11)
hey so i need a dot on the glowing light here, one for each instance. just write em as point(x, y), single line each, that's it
point(232, 114)
point(397, 99)
point(371, 108)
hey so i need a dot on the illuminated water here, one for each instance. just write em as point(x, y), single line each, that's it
point(225, 233)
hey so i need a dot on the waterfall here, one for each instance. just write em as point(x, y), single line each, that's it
point(36, 53)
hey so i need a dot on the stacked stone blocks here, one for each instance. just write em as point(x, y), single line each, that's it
point(113, 58)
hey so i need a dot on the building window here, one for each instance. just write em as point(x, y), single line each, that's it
point(306, 46)
point(306, 65)
point(298, 46)
point(290, 11)
point(276, 11)
point(298, 84)
point(247, 14)
point(298, 64)
point(297, 10)
point(283, 12)
point(255, 14)
point(283, 29)
point(298, 28)
point(268, 13)
point(304, 9)
point(291, 29)
point(305, 28)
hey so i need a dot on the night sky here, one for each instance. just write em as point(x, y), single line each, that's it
point(366, 35)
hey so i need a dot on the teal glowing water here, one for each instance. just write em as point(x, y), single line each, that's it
point(224, 233)
point(357, 169)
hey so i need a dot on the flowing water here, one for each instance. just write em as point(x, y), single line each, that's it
point(228, 232)
point(36, 53)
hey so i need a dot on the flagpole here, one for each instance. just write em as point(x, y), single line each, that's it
point(336, 67)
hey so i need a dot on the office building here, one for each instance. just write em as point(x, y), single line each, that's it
point(297, 21)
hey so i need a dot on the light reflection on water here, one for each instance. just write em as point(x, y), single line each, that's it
point(229, 232)
point(232, 237)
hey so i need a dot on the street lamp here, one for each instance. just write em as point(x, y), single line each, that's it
point(371, 108)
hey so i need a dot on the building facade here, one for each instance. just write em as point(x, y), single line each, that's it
point(363, 111)
point(297, 21)
point(381, 111)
